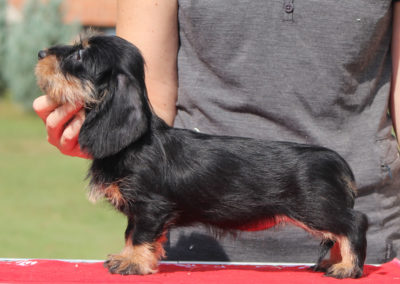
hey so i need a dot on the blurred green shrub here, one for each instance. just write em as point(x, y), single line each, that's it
point(41, 26)
point(3, 5)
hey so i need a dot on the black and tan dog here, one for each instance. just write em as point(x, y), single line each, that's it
point(161, 177)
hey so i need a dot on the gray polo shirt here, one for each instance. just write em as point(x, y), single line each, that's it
point(307, 71)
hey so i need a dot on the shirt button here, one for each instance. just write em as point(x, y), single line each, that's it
point(289, 8)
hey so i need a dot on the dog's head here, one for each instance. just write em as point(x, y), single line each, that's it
point(105, 74)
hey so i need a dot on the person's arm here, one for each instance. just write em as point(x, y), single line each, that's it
point(153, 27)
point(395, 88)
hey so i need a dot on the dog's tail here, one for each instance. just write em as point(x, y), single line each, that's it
point(347, 180)
point(340, 176)
point(351, 187)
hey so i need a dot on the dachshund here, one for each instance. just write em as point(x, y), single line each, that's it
point(162, 177)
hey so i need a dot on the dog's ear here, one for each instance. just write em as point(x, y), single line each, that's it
point(117, 121)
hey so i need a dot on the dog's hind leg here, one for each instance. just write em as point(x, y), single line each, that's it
point(344, 233)
point(327, 245)
point(352, 248)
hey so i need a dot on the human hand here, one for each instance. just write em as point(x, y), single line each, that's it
point(63, 123)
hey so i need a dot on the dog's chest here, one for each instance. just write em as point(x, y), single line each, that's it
point(105, 183)
point(111, 193)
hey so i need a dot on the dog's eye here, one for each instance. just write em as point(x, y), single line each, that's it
point(78, 55)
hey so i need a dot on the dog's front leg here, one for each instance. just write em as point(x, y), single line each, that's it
point(143, 249)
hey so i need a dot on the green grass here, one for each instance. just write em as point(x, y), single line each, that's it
point(44, 212)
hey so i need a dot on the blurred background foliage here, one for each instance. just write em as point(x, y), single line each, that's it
point(3, 32)
point(44, 212)
point(40, 26)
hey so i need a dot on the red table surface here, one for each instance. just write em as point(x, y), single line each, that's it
point(55, 271)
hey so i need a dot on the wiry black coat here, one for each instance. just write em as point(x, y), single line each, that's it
point(174, 177)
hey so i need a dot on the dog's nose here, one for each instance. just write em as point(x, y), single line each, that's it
point(42, 54)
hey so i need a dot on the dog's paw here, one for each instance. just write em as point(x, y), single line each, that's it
point(119, 264)
point(340, 271)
